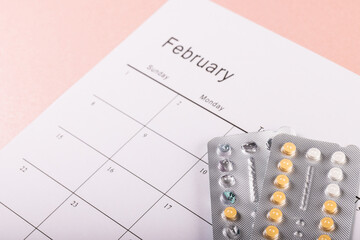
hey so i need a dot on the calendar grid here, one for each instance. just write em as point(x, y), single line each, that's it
point(109, 159)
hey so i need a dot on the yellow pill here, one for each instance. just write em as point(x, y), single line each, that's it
point(278, 198)
point(230, 213)
point(281, 181)
point(327, 224)
point(288, 149)
point(285, 165)
point(324, 237)
point(330, 207)
point(271, 232)
point(275, 215)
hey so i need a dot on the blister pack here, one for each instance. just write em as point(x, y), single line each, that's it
point(309, 190)
point(236, 169)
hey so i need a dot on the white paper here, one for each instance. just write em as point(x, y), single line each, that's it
point(122, 154)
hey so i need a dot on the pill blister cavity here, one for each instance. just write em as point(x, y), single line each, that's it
point(223, 150)
point(327, 224)
point(228, 197)
point(338, 158)
point(324, 237)
point(300, 222)
point(227, 181)
point(278, 198)
point(285, 165)
point(333, 190)
point(225, 165)
point(336, 174)
point(249, 147)
point(230, 214)
point(330, 207)
point(288, 149)
point(275, 215)
point(271, 233)
point(282, 181)
point(268, 144)
point(231, 232)
point(313, 154)
point(286, 130)
point(298, 234)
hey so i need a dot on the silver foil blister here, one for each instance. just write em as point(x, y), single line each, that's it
point(236, 170)
point(319, 175)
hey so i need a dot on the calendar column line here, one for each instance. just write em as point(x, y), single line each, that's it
point(229, 131)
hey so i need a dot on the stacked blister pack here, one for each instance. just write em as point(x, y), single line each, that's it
point(275, 185)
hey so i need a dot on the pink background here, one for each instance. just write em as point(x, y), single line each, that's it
point(46, 46)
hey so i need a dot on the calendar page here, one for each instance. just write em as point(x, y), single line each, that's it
point(122, 154)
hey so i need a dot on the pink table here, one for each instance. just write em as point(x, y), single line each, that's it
point(46, 46)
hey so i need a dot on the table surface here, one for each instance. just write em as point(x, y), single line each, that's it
point(45, 47)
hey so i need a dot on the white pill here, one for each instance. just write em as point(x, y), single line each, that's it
point(336, 174)
point(338, 158)
point(332, 190)
point(313, 154)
